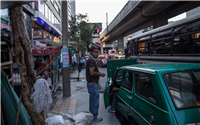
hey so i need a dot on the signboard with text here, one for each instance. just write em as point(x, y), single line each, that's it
point(6, 26)
point(37, 34)
point(65, 57)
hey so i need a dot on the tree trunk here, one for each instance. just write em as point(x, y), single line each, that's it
point(24, 60)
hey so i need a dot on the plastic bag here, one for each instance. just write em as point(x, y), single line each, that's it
point(55, 120)
point(84, 118)
point(68, 117)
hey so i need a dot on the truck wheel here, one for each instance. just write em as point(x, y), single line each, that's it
point(133, 122)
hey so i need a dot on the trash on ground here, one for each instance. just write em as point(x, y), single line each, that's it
point(82, 118)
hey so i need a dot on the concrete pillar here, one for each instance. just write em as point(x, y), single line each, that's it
point(120, 42)
point(160, 19)
point(102, 48)
point(66, 71)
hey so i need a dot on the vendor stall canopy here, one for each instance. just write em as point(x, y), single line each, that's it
point(9, 105)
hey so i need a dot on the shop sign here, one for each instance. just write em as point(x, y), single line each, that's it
point(56, 39)
point(65, 56)
point(50, 36)
point(32, 24)
point(37, 34)
point(6, 26)
point(46, 35)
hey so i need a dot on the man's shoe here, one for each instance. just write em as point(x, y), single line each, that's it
point(111, 110)
point(98, 120)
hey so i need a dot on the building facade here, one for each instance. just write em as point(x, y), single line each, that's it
point(46, 23)
point(28, 10)
point(43, 19)
point(71, 7)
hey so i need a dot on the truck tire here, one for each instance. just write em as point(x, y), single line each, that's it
point(133, 122)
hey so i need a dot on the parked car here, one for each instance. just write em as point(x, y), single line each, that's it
point(102, 61)
point(112, 51)
point(118, 56)
point(159, 94)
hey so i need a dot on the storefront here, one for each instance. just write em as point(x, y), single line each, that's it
point(4, 16)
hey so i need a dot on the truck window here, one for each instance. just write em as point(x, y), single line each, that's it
point(128, 80)
point(184, 88)
point(144, 86)
point(119, 75)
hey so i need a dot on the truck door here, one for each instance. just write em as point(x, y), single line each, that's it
point(113, 65)
point(125, 93)
point(117, 80)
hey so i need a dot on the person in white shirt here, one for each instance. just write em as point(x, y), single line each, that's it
point(74, 60)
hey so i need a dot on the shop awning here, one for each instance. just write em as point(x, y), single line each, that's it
point(10, 4)
point(46, 24)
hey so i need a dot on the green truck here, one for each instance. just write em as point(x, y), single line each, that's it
point(158, 94)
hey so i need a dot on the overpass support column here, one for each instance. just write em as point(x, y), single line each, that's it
point(121, 42)
point(102, 48)
point(160, 19)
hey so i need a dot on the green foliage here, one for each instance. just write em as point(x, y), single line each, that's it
point(80, 32)
point(73, 29)
point(147, 29)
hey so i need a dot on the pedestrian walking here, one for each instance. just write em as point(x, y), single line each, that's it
point(92, 77)
point(74, 60)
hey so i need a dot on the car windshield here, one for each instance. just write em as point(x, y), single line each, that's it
point(184, 88)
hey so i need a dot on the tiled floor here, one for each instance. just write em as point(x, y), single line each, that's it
point(65, 105)
point(74, 75)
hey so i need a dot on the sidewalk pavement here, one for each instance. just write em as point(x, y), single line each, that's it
point(79, 100)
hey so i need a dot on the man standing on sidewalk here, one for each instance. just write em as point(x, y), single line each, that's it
point(92, 77)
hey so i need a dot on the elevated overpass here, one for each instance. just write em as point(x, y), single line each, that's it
point(137, 15)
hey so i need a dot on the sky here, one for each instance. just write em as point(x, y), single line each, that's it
point(97, 9)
